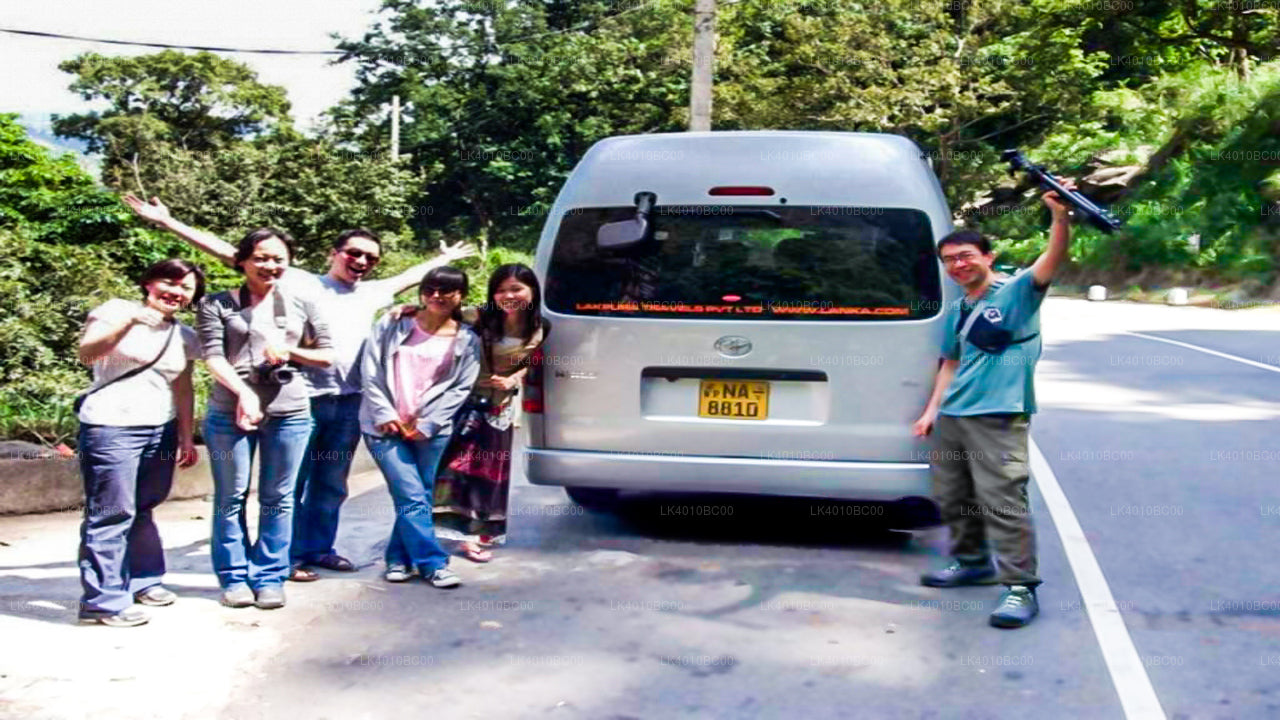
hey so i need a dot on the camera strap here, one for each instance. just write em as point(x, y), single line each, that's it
point(281, 315)
point(278, 310)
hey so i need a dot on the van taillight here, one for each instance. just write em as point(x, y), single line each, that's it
point(740, 190)
point(532, 402)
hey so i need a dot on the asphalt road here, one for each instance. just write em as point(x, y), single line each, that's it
point(716, 607)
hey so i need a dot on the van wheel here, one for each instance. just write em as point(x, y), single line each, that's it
point(914, 513)
point(600, 499)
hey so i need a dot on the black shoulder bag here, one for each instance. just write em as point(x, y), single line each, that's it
point(79, 401)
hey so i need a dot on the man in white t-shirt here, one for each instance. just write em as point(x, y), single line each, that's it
point(350, 304)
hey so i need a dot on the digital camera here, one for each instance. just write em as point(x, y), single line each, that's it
point(267, 374)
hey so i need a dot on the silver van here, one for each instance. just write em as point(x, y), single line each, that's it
point(740, 312)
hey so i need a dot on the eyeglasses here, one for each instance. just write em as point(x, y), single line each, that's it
point(958, 257)
point(357, 254)
point(430, 291)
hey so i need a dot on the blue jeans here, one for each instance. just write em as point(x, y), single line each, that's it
point(410, 469)
point(322, 481)
point(127, 472)
point(236, 559)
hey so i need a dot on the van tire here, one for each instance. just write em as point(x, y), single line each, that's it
point(914, 513)
point(598, 499)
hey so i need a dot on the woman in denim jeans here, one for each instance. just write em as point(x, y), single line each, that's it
point(251, 339)
point(417, 371)
point(135, 424)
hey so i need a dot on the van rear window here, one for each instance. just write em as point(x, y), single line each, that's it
point(750, 263)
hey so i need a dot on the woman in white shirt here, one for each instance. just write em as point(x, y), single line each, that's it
point(135, 425)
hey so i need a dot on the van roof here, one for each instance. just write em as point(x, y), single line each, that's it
point(806, 168)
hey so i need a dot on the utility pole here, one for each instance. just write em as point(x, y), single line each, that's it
point(704, 56)
point(395, 128)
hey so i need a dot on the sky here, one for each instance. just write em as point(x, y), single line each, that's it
point(32, 84)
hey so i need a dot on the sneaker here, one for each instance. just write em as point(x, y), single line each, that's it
point(1017, 607)
point(957, 574)
point(444, 578)
point(155, 596)
point(129, 617)
point(397, 574)
point(270, 597)
point(237, 596)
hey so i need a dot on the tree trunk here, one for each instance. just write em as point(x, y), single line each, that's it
point(1240, 36)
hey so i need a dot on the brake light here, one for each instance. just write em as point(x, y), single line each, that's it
point(532, 402)
point(758, 190)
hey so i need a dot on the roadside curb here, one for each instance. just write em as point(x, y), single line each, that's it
point(53, 484)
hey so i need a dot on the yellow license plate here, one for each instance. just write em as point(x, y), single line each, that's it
point(734, 399)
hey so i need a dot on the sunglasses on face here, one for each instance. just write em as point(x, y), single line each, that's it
point(358, 254)
point(430, 291)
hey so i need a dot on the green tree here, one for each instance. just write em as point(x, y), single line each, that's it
point(202, 133)
point(57, 260)
point(312, 188)
point(501, 99)
point(198, 102)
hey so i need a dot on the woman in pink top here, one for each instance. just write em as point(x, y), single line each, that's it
point(416, 372)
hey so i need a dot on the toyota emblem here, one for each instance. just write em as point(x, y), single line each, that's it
point(733, 346)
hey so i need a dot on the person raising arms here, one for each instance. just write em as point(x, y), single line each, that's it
point(342, 292)
point(982, 402)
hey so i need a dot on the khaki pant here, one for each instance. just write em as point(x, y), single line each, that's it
point(980, 480)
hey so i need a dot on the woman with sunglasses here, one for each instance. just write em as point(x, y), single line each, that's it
point(135, 425)
point(417, 370)
point(474, 484)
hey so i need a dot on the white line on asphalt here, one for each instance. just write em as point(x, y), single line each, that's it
point(1237, 358)
point(1128, 674)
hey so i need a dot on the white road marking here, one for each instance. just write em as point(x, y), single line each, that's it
point(1228, 356)
point(1128, 674)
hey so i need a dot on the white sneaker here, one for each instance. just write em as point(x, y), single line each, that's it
point(444, 578)
point(397, 574)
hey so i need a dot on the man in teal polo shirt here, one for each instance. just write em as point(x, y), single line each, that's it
point(982, 403)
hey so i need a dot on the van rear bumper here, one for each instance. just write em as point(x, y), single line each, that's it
point(874, 481)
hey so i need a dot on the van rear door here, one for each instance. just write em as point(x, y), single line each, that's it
point(798, 332)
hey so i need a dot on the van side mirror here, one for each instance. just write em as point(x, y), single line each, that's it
point(628, 232)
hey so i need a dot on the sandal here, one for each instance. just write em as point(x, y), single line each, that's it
point(475, 553)
point(301, 574)
point(334, 562)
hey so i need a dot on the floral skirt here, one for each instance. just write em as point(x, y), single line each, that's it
point(472, 486)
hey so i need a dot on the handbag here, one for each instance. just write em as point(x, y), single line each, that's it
point(472, 454)
point(467, 452)
point(79, 401)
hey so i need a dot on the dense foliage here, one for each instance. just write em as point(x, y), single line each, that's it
point(502, 98)
point(201, 133)
point(1166, 110)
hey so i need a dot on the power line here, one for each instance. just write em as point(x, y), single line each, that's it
point(59, 36)
point(209, 48)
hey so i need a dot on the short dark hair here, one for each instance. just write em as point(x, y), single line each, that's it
point(346, 235)
point(173, 269)
point(251, 239)
point(966, 237)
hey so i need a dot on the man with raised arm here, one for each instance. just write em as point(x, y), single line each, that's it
point(351, 302)
point(982, 403)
